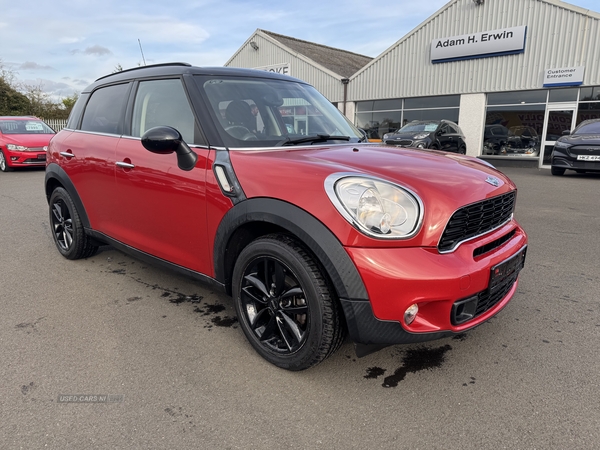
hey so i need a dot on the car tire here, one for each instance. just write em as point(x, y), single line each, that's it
point(434, 147)
point(285, 305)
point(4, 167)
point(67, 228)
point(462, 150)
point(558, 171)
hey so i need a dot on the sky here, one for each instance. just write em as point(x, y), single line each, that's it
point(64, 45)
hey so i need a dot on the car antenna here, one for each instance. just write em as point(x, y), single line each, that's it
point(142, 52)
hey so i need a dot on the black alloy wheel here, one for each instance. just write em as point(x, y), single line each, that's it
point(285, 305)
point(67, 229)
point(3, 163)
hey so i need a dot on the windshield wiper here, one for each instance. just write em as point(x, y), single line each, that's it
point(315, 138)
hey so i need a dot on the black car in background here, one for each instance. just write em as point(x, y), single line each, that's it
point(434, 134)
point(579, 150)
point(494, 139)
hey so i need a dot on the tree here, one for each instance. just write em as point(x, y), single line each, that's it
point(12, 102)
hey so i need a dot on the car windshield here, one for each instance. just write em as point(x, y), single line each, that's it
point(415, 127)
point(25, 127)
point(263, 112)
point(589, 128)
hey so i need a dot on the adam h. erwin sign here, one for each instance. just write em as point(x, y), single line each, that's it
point(506, 41)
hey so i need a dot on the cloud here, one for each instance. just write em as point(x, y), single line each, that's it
point(69, 40)
point(95, 50)
point(28, 65)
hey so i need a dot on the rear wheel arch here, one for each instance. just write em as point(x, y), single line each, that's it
point(254, 218)
point(57, 177)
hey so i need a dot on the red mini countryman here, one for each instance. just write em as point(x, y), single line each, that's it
point(23, 142)
point(313, 232)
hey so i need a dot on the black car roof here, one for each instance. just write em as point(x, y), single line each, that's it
point(179, 68)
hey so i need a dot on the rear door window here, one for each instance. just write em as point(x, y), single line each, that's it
point(104, 111)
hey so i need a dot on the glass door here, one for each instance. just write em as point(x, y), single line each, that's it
point(559, 118)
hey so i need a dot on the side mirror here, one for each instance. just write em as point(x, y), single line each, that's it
point(566, 132)
point(166, 140)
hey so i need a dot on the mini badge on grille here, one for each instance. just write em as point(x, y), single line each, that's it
point(493, 181)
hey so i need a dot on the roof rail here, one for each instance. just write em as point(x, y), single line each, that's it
point(144, 67)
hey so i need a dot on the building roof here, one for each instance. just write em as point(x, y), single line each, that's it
point(339, 61)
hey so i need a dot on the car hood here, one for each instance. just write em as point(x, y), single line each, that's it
point(28, 140)
point(443, 181)
point(581, 139)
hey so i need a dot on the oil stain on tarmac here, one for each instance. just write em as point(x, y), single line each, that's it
point(414, 360)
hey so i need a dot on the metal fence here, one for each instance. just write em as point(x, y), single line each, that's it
point(56, 124)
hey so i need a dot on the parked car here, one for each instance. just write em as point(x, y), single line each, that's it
point(23, 142)
point(313, 235)
point(434, 134)
point(494, 139)
point(522, 140)
point(579, 150)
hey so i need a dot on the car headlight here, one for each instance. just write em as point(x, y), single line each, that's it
point(385, 136)
point(375, 207)
point(420, 136)
point(20, 148)
point(561, 144)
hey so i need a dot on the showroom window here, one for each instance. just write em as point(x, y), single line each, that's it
point(589, 104)
point(514, 122)
point(378, 117)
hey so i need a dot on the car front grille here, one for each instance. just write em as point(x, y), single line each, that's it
point(477, 219)
point(585, 150)
point(402, 142)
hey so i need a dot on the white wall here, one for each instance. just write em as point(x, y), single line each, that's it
point(471, 120)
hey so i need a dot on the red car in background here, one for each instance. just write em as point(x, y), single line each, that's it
point(314, 232)
point(23, 142)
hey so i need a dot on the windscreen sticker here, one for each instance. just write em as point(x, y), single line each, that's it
point(34, 126)
point(430, 127)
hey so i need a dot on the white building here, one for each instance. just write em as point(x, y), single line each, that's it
point(514, 74)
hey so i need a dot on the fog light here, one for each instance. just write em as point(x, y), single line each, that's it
point(411, 313)
point(14, 158)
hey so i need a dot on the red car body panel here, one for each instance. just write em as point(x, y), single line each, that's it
point(444, 184)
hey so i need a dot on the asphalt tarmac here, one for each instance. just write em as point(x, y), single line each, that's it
point(110, 352)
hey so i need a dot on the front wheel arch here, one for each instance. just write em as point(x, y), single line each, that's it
point(257, 217)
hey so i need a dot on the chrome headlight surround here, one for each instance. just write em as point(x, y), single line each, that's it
point(377, 208)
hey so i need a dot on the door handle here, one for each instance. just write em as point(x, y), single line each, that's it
point(67, 154)
point(125, 165)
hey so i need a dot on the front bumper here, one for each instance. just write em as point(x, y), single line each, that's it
point(564, 161)
point(25, 158)
point(439, 284)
